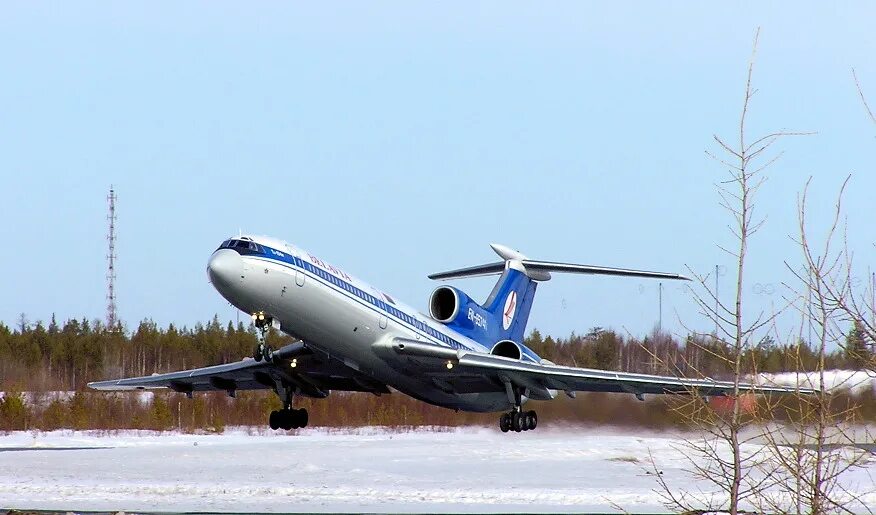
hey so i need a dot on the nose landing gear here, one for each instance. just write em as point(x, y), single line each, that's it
point(262, 322)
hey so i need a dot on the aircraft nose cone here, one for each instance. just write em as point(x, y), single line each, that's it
point(225, 267)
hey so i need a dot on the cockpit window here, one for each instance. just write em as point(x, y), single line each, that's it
point(240, 245)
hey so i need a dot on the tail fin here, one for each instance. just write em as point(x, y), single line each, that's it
point(509, 304)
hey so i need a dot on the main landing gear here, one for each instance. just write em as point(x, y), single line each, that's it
point(262, 351)
point(287, 418)
point(518, 421)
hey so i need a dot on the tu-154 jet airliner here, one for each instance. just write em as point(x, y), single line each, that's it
point(353, 337)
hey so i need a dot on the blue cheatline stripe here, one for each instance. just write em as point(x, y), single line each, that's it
point(370, 301)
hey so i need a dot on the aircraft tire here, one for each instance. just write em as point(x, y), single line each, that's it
point(257, 353)
point(505, 422)
point(287, 419)
point(517, 421)
point(273, 420)
point(531, 420)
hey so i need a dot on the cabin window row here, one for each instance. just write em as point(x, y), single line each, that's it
point(373, 301)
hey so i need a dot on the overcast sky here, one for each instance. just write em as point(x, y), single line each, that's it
point(399, 139)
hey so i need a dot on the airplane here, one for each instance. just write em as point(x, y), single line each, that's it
point(354, 337)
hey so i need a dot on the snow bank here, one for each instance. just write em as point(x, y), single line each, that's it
point(43, 399)
point(855, 382)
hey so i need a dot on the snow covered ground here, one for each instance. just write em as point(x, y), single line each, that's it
point(465, 470)
point(855, 382)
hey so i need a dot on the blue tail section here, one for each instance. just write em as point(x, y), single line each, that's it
point(502, 317)
point(509, 304)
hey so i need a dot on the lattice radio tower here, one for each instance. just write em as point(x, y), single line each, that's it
point(111, 318)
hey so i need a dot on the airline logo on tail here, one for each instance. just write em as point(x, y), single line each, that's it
point(508, 312)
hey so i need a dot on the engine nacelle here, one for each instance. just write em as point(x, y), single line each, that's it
point(445, 303)
point(451, 306)
point(507, 349)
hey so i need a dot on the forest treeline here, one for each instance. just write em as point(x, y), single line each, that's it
point(43, 358)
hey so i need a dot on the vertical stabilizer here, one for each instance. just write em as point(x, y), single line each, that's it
point(509, 305)
point(506, 311)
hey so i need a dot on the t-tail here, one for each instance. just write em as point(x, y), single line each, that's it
point(500, 322)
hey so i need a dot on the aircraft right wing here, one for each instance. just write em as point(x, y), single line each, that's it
point(313, 375)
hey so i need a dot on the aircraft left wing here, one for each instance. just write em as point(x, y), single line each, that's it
point(312, 374)
point(471, 372)
point(572, 379)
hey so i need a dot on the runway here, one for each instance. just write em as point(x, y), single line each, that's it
point(367, 470)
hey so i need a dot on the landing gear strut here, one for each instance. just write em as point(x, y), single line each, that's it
point(517, 419)
point(262, 322)
point(287, 418)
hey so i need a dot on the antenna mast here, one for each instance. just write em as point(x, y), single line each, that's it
point(111, 318)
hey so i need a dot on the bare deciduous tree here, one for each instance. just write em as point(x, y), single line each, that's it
point(721, 457)
point(816, 447)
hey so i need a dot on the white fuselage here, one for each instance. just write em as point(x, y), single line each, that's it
point(341, 316)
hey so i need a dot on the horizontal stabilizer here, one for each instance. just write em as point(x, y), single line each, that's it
point(540, 270)
point(549, 266)
point(472, 271)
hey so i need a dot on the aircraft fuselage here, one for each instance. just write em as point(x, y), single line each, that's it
point(340, 316)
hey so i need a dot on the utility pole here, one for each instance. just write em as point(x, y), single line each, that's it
point(873, 306)
point(716, 301)
point(660, 308)
point(111, 314)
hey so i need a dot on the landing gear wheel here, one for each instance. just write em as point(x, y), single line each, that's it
point(516, 421)
point(262, 322)
point(288, 420)
point(505, 422)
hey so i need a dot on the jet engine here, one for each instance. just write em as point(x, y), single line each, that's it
point(453, 307)
point(507, 349)
point(444, 304)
